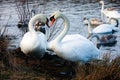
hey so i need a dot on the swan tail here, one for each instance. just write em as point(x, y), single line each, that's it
point(115, 30)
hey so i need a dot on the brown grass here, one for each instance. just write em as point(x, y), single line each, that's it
point(3, 44)
point(99, 71)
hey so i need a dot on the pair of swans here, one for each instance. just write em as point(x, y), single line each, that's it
point(104, 30)
point(70, 47)
point(109, 13)
point(34, 42)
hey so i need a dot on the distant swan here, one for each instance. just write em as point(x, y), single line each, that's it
point(93, 21)
point(109, 13)
point(34, 42)
point(101, 29)
point(72, 47)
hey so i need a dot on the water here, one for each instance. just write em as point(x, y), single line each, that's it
point(74, 10)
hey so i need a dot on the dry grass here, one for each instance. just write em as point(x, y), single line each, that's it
point(99, 71)
point(3, 44)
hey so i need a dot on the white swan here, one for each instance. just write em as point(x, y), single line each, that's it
point(101, 29)
point(72, 47)
point(111, 14)
point(34, 42)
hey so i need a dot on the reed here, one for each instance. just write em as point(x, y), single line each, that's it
point(99, 71)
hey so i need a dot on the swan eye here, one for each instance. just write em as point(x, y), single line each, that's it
point(51, 18)
point(84, 18)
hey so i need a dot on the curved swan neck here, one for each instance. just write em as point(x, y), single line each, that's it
point(31, 24)
point(89, 27)
point(102, 6)
point(65, 30)
point(97, 37)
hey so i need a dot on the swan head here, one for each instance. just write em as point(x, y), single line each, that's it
point(85, 20)
point(39, 25)
point(39, 18)
point(101, 2)
point(55, 16)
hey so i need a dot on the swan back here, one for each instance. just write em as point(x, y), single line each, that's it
point(104, 28)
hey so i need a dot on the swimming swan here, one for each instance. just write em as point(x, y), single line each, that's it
point(109, 13)
point(34, 42)
point(76, 49)
point(101, 29)
point(93, 21)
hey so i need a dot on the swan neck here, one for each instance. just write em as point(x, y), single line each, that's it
point(102, 6)
point(31, 25)
point(65, 30)
point(97, 37)
point(89, 27)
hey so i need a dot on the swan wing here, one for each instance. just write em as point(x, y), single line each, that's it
point(80, 49)
point(73, 37)
point(103, 28)
point(26, 43)
point(31, 43)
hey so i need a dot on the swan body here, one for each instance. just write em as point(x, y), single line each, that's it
point(34, 42)
point(101, 29)
point(72, 47)
point(112, 14)
point(94, 22)
point(104, 28)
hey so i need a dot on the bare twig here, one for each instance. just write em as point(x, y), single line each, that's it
point(54, 31)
